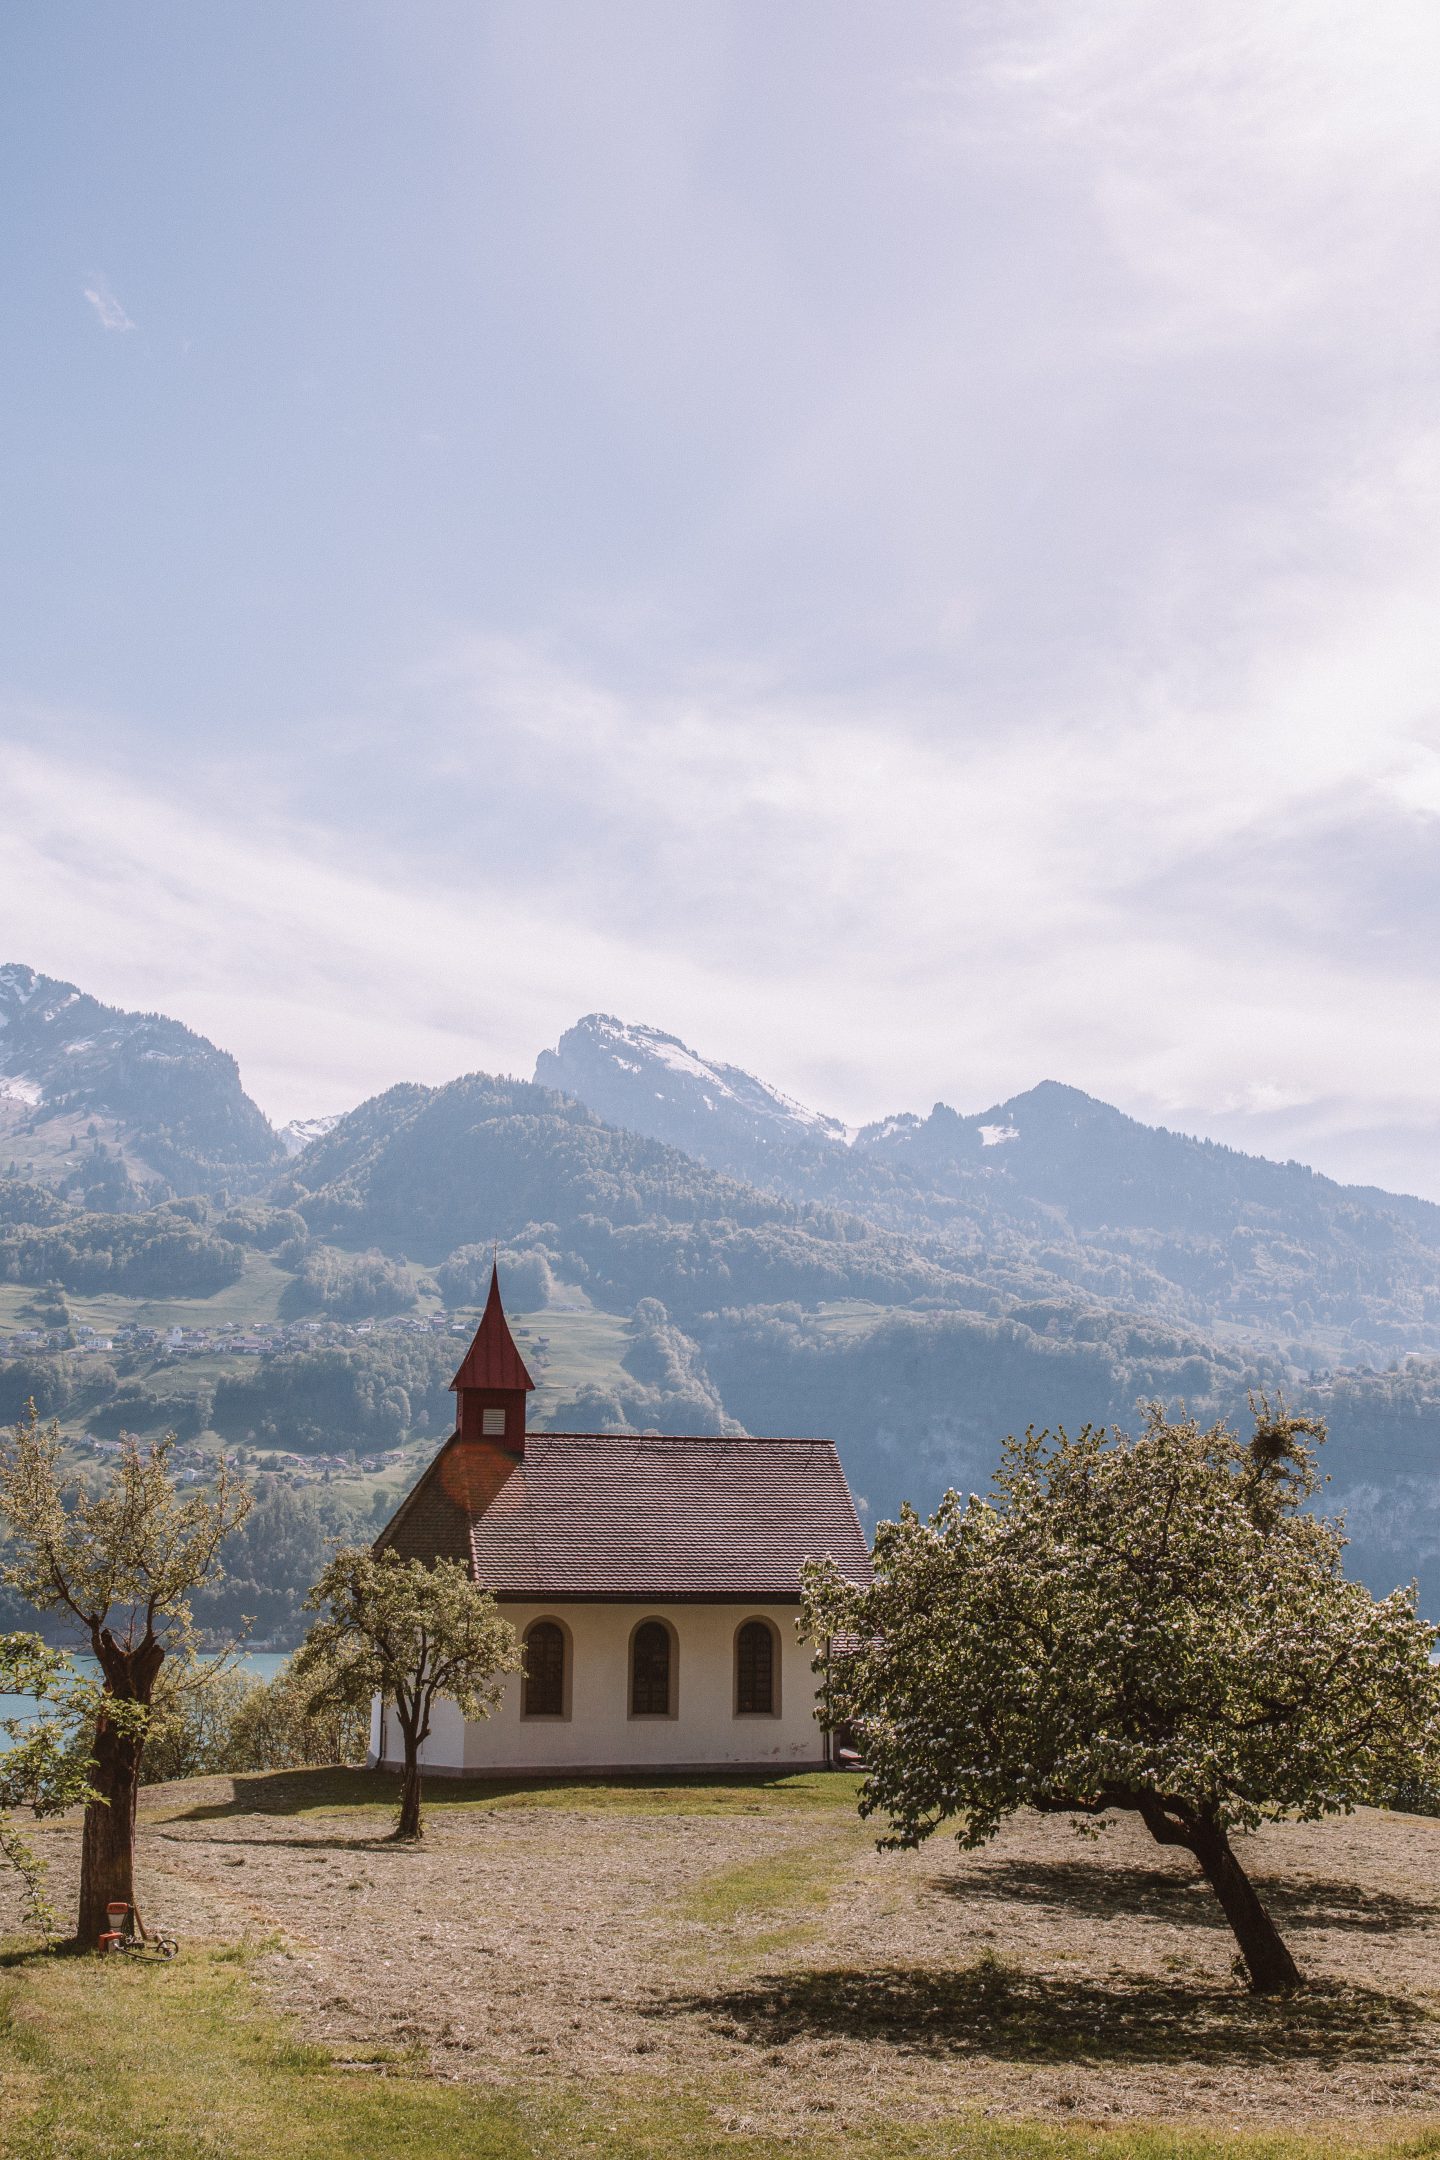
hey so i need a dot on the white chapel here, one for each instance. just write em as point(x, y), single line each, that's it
point(654, 1583)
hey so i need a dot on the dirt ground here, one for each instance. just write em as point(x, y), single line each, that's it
point(768, 1948)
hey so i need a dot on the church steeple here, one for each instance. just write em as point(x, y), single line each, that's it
point(492, 1383)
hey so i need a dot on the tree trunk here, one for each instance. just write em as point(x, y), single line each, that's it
point(409, 1823)
point(107, 1845)
point(1272, 1969)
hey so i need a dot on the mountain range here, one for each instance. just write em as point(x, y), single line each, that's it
point(641, 1077)
point(1052, 1186)
point(1050, 1193)
point(916, 1287)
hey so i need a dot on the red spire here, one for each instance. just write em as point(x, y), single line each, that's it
point(492, 1361)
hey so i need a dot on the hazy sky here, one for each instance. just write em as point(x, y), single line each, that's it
point(899, 542)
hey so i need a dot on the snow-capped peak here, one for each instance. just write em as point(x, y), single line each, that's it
point(726, 1082)
point(653, 1082)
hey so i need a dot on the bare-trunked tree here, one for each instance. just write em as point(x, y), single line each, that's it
point(120, 1564)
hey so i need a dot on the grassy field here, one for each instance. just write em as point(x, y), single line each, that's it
point(252, 1298)
point(668, 1969)
point(103, 2060)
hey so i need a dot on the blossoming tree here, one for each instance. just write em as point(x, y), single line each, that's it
point(1156, 1626)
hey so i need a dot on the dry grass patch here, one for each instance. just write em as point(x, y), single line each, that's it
point(666, 1938)
point(100, 2059)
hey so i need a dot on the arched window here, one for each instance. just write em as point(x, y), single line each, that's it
point(755, 1670)
point(544, 1694)
point(650, 1673)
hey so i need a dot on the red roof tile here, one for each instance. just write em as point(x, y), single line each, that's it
point(602, 1515)
point(492, 1361)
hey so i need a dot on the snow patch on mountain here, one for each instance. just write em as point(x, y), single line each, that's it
point(653, 1083)
point(904, 1122)
point(298, 1134)
point(17, 986)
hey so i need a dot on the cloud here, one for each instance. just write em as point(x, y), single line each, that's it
point(1201, 893)
point(327, 981)
point(107, 307)
point(1255, 169)
point(965, 610)
point(1168, 898)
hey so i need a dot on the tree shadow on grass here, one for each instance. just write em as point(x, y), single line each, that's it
point(990, 2009)
point(1116, 1893)
point(337, 1843)
point(288, 1792)
point(20, 1954)
point(297, 1792)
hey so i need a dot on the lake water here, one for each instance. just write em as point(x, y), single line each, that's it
point(255, 1664)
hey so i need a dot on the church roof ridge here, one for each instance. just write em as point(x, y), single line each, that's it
point(691, 1439)
point(627, 1515)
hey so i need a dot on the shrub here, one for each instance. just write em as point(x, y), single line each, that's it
point(346, 1286)
point(464, 1278)
point(210, 1719)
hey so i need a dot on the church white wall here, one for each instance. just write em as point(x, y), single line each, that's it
point(444, 1750)
point(599, 1734)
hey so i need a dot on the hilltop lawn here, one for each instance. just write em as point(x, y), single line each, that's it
point(186, 2063)
point(665, 1969)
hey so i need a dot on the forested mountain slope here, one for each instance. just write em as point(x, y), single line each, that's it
point(918, 1401)
point(1053, 1187)
point(917, 1289)
point(790, 1315)
point(420, 1171)
point(121, 1107)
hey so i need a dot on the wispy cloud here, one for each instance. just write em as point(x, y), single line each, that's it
point(962, 611)
point(1166, 892)
point(329, 982)
point(112, 315)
